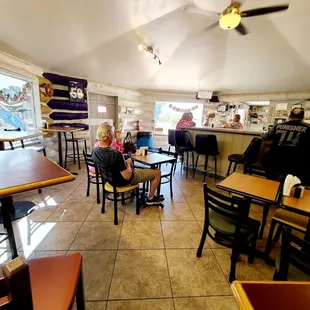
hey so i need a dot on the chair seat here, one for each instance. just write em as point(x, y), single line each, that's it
point(93, 174)
point(225, 225)
point(294, 274)
point(235, 157)
point(109, 188)
point(292, 219)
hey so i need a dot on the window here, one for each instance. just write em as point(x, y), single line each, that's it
point(16, 103)
point(167, 114)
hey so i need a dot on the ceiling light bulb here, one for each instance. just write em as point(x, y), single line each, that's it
point(140, 47)
point(230, 21)
point(147, 53)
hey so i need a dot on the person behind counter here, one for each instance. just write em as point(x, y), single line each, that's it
point(186, 121)
point(235, 124)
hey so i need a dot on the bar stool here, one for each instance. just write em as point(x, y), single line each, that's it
point(75, 143)
point(184, 144)
point(171, 138)
point(206, 145)
point(248, 158)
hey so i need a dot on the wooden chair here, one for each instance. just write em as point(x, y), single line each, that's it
point(49, 283)
point(284, 217)
point(293, 262)
point(109, 187)
point(228, 217)
point(92, 178)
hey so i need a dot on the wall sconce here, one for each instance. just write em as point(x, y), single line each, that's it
point(148, 51)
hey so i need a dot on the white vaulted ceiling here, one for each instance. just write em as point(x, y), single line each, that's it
point(98, 39)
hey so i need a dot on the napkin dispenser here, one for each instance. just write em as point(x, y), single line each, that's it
point(297, 191)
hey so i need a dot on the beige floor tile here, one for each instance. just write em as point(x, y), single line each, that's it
point(258, 271)
point(93, 305)
point(176, 211)
point(5, 256)
point(177, 197)
point(71, 212)
point(97, 273)
point(192, 276)
point(80, 195)
point(52, 236)
point(51, 197)
point(195, 197)
point(97, 236)
point(39, 254)
point(207, 303)
point(151, 304)
point(41, 212)
point(141, 235)
point(181, 234)
point(198, 209)
point(146, 213)
point(140, 274)
point(95, 214)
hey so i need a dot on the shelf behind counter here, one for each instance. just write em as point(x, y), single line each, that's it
point(230, 141)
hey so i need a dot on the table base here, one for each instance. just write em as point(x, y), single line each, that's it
point(21, 209)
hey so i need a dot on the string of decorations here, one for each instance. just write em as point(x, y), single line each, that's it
point(14, 95)
point(174, 108)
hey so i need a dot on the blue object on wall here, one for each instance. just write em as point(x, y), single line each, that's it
point(144, 138)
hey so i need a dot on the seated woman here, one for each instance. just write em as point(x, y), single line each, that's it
point(117, 144)
point(235, 124)
point(185, 121)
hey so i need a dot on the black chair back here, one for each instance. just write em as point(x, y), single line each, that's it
point(206, 145)
point(294, 251)
point(233, 208)
point(183, 139)
point(171, 137)
point(155, 150)
point(90, 163)
point(251, 153)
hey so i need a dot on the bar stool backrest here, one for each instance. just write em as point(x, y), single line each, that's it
point(183, 139)
point(171, 137)
point(251, 153)
point(206, 145)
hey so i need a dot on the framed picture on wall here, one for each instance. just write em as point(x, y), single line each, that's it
point(129, 110)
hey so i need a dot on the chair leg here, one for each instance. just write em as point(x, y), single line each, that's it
point(253, 248)
point(115, 209)
point(88, 187)
point(171, 190)
point(233, 263)
point(78, 155)
point(66, 153)
point(186, 164)
point(137, 202)
point(44, 152)
point(203, 239)
point(193, 160)
point(80, 300)
point(229, 167)
point(278, 233)
point(235, 166)
point(195, 168)
point(103, 199)
point(269, 240)
point(85, 146)
point(215, 167)
point(98, 189)
point(264, 221)
point(169, 148)
point(205, 169)
point(39, 190)
point(123, 198)
point(73, 148)
point(11, 145)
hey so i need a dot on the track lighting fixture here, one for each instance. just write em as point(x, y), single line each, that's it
point(148, 52)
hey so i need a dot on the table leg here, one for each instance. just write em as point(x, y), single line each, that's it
point(6, 205)
point(60, 149)
point(2, 147)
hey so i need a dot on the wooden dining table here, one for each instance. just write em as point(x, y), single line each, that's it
point(299, 206)
point(13, 136)
point(253, 188)
point(59, 130)
point(21, 171)
point(284, 295)
point(153, 160)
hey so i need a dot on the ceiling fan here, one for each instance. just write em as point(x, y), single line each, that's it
point(230, 18)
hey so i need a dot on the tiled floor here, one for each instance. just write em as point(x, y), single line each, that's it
point(147, 261)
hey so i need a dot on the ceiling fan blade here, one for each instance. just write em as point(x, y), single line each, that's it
point(193, 9)
point(241, 29)
point(212, 26)
point(266, 10)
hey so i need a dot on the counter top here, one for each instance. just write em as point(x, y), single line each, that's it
point(227, 130)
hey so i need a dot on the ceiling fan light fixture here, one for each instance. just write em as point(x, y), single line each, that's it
point(230, 21)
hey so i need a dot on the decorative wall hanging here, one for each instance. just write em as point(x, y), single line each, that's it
point(174, 108)
point(69, 101)
point(15, 95)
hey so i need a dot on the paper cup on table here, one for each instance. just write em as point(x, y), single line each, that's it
point(138, 152)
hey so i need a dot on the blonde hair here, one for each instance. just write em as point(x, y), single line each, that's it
point(187, 116)
point(103, 131)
